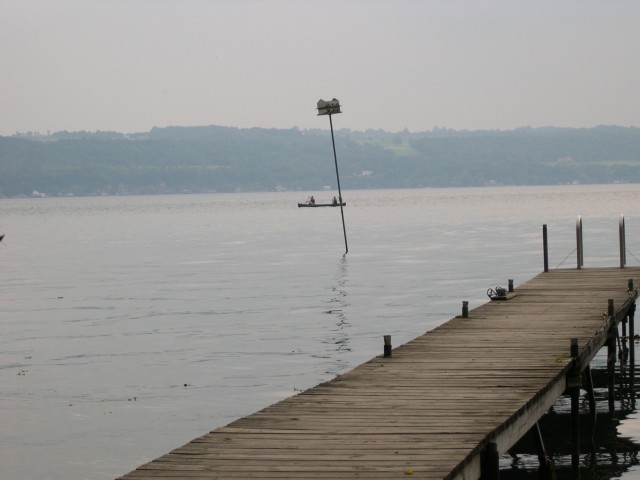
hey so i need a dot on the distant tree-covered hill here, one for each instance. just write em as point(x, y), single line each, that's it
point(225, 159)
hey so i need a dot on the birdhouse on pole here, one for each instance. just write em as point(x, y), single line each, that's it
point(328, 107)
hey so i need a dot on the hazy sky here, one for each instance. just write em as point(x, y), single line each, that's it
point(130, 65)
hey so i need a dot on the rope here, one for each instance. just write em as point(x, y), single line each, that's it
point(565, 258)
point(575, 249)
point(631, 253)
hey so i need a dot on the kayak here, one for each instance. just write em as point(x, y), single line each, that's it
point(321, 204)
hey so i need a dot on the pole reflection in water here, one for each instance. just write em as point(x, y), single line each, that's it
point(338, 340)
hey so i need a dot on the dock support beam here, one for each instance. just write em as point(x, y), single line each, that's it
point(588, 386)
point(623, 352)
point(632, 354)
point(546, 468)
point(632, 348)
point(490, 462)
point(574, 382)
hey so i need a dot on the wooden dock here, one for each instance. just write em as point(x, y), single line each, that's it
point(440, 405)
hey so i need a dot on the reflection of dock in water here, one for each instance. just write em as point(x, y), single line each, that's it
point(443, 406)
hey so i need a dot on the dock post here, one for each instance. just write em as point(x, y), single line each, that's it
point(490, 462)
point(623, 242)
point(580, 253)
point(573, 385)
point(465, 309)
point(511, 285)
point(545, 247)
point(611, 355)
point(387, 345)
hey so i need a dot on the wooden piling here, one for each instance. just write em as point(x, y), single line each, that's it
point(490, 462)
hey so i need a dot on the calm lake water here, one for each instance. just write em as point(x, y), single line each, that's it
point(131, 325)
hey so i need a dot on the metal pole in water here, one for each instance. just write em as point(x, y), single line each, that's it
point(335, 158)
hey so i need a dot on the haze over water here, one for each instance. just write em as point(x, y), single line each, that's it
point(131, 325)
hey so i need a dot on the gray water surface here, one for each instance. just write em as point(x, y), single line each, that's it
point(131, 325)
